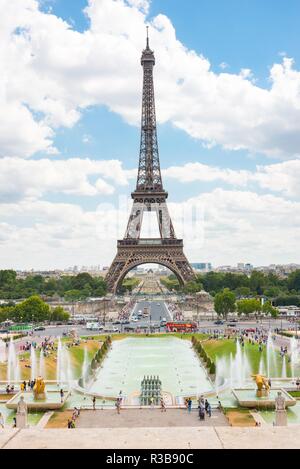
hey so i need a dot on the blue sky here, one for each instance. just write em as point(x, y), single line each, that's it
point(228, 133)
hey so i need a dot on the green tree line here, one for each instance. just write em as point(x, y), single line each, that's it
point(283, 291)
point(33, 309)
point(72, 288)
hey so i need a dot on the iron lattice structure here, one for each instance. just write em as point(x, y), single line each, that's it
point(150, 196)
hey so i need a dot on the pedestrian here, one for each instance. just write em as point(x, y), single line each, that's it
point(62, 395)
point(208, 410)
point(118, 405)
point(162, 405)
point(1, 420)
point(94, 402)
point(189, 405)
point(201, 411)
point(14, 422)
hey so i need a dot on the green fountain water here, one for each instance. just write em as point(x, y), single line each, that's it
point(172, 359)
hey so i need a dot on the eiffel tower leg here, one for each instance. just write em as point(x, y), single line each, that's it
point(127, 258)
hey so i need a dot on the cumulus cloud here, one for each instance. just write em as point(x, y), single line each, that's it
point(34, 178)
point(231, 226)
point(278, 177)
point(50, 72)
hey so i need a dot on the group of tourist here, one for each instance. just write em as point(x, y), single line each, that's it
point(10, 389)
point(126, 310)
point(72, 420)
point(204, 407)
point(46, 346)
point(175, 312)
point(30, 385)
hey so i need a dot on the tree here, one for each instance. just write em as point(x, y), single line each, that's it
point(59, 314)
point(73, 295)
point(82, 280)
point(257, 282)
point(269, 310)
point(33, 309)
point(248, 306)
point(224, 302)
point(242, 292)
point(294, 281)
point(272, 292)
point(7, 277)
point(192, 287)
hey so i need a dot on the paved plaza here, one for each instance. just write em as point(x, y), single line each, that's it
point(153, 438)
point(149, 418)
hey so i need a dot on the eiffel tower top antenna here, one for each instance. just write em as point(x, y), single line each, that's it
point(147, 42)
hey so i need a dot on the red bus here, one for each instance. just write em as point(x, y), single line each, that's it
point(181, 326)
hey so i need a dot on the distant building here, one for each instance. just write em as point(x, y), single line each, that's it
point(202, 266)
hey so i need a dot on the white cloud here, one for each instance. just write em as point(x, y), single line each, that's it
point(34, 178)
point(279, 177)
point(232, 225)
point(242, 225)
point(51, 72)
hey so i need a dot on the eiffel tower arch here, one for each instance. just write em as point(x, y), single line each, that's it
point(148, 196)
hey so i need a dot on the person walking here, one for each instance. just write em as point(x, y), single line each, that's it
point(94, 402)
point(201, 411)
point(189, 405)
point(162, 405)
point(62, 395)
point(118, 405)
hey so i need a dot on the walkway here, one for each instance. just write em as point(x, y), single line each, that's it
point(153, 438)
point(147, 418)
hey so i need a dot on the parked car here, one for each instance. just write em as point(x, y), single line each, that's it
point(219, 322)
point(40, 328)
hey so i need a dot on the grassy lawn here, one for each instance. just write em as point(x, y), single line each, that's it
point(76, 356)
point(224, 347)
point(59, 419)
point(239, 418)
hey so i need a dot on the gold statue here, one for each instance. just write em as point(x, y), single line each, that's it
point(262, 384)
point(39, 388)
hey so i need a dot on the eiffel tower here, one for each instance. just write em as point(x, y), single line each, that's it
point(149, 196)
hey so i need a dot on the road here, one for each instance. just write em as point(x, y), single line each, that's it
point(158, 311)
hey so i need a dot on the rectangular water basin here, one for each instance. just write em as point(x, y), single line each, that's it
point(52, 400)
point(247, 398)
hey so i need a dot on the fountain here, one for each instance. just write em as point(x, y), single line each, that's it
point(13, 366)
point(2, 351)
point(39, 397)
point(271, 357)
point(283, 372)
point(150, 390)
point(42, 364)
point(294, 354)
point(33, 366)
point(234, 370)
point(64, 372)
point(264, 397)
point(85, 366)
